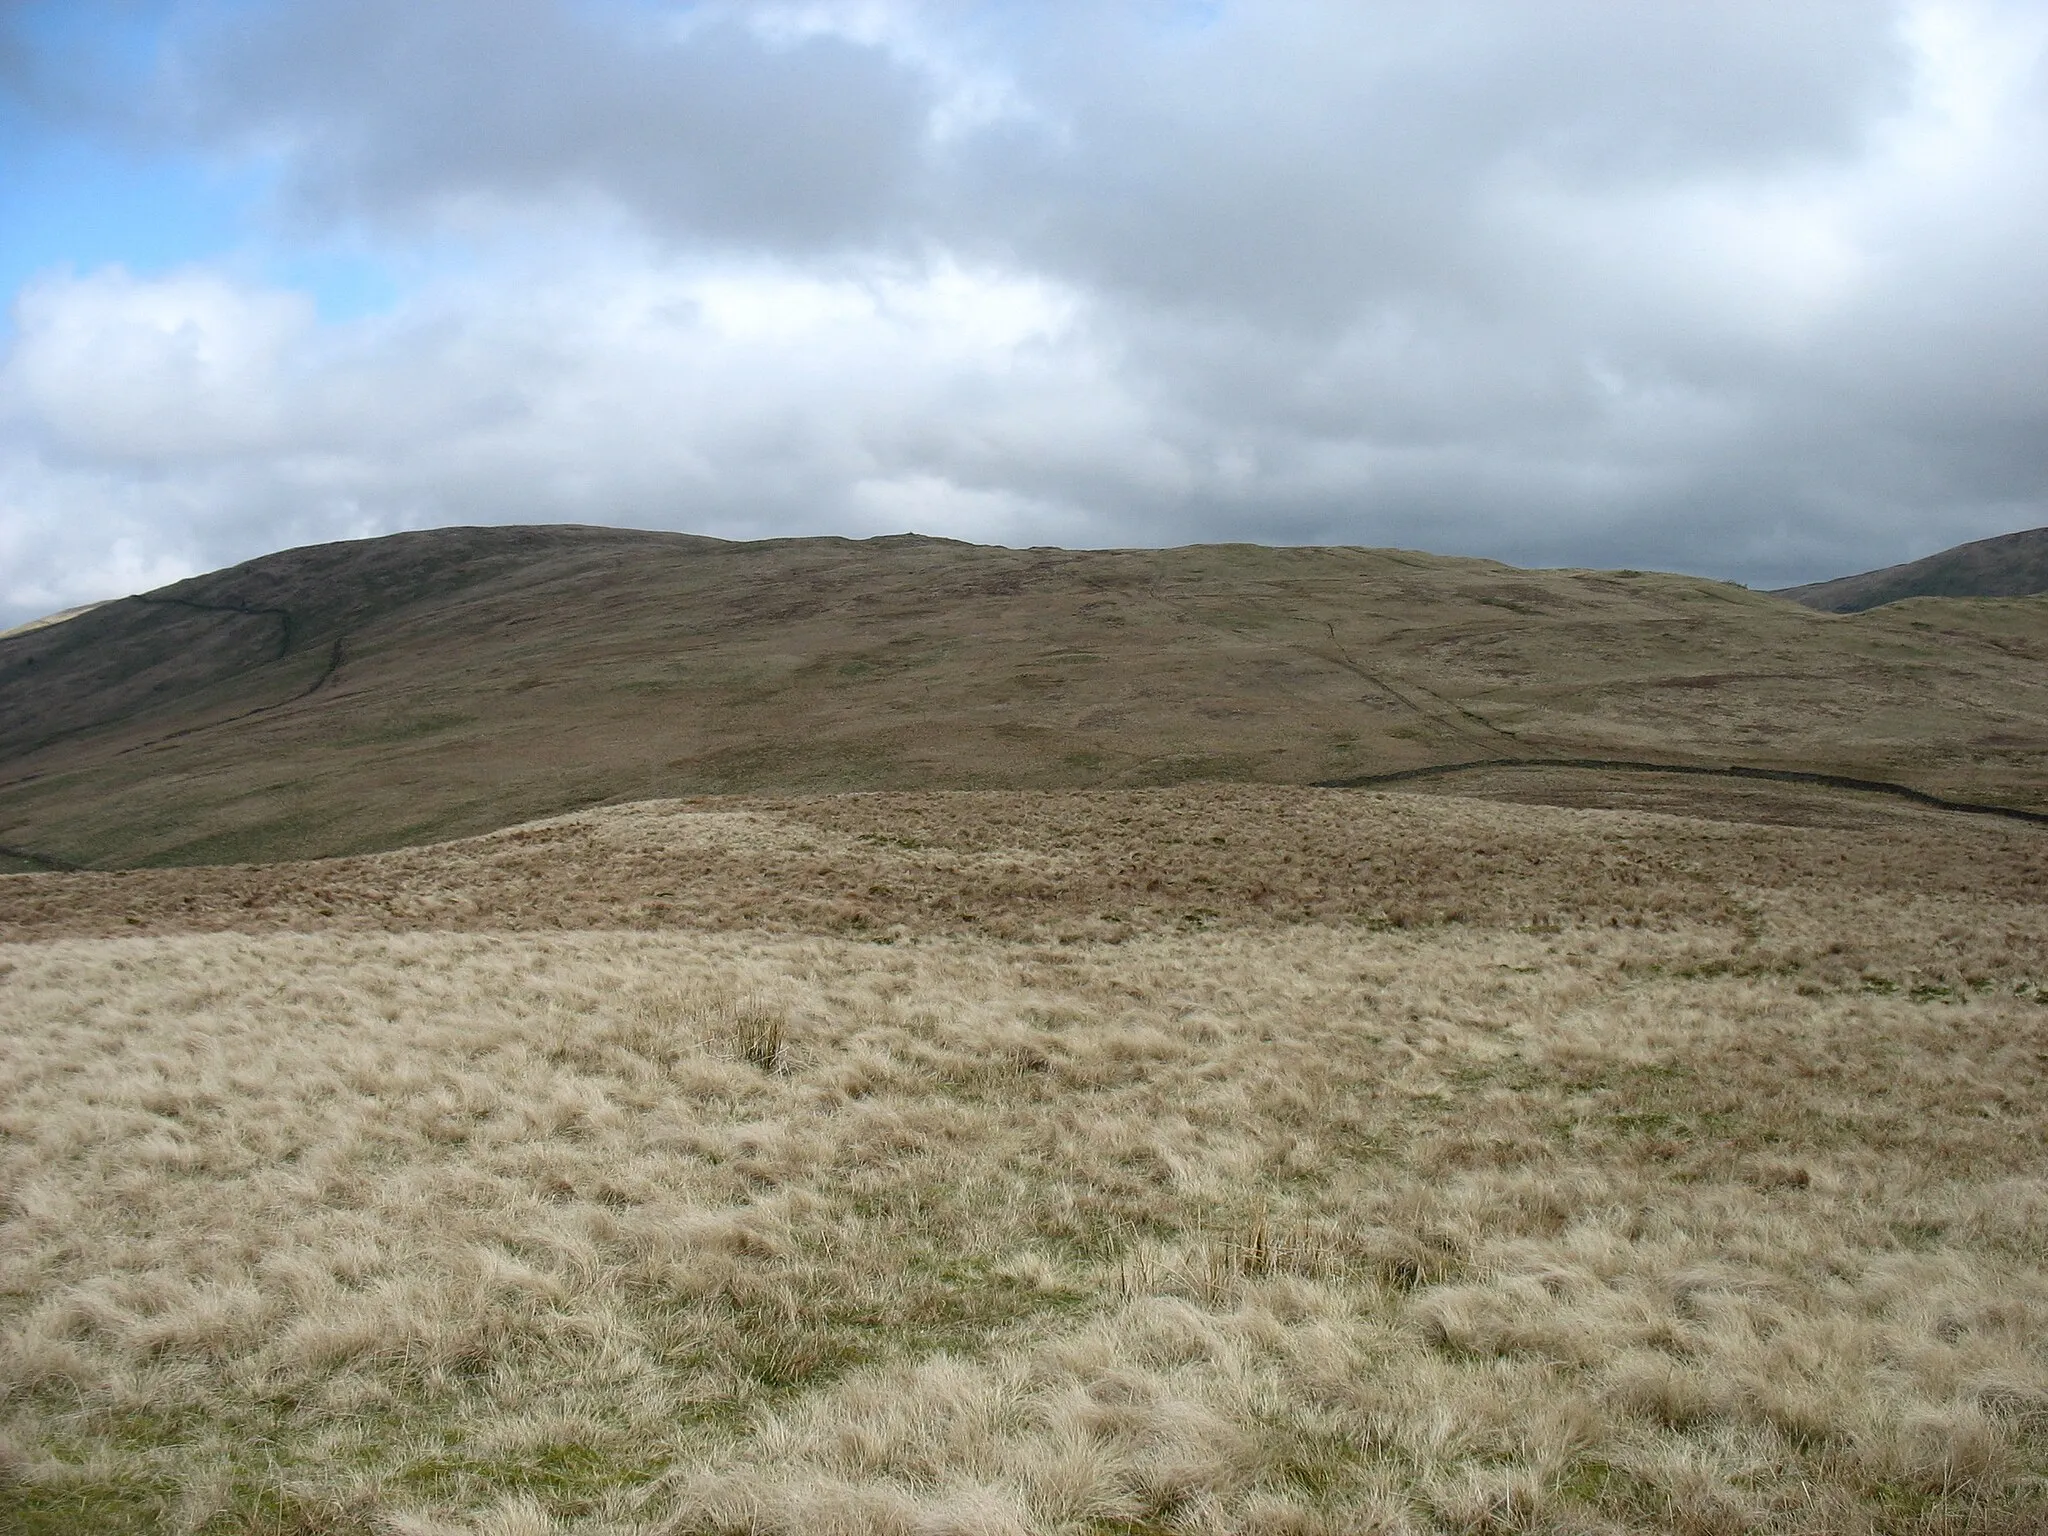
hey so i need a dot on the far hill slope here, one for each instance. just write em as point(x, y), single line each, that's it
point(367, 695)
point(2011, 565)
point(48, 619)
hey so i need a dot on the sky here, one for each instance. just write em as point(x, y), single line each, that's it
point(1755, 289)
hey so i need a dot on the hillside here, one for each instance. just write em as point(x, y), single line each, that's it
point(368, 695)
point(2011, 565)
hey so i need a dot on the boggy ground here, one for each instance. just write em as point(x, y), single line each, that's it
point(1204, 1160)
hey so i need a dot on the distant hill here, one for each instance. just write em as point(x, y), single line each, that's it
point(2011, 565)
point(366, 695)
point(51, 618)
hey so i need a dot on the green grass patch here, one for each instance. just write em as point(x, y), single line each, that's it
point(83, 1509)
point(568, 1477)
point(257, 842)
point(414, 728)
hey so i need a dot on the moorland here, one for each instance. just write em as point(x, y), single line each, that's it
point(1212, 1158)
point(1520, 1149)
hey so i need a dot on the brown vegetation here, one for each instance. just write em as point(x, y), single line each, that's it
point(366, 696)
point(1191, 1160)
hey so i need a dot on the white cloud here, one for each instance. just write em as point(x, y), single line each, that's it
point(69, 537)
point(745, 397)
point(180, 367)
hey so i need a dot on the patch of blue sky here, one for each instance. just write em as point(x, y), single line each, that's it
point(1185, 16)
point(115, 42)
point(70, 208)
point(343, 284)
point(80, 191)
point(75, 192)
point(67, 202)
point(71, 204)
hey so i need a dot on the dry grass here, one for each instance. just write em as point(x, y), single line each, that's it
point(982, 1164)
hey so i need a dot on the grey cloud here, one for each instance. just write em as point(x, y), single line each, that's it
point(1286, 155)
point(1311, 158)
point(392, 109)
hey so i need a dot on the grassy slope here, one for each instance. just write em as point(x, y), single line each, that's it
point(488, 676)
point(1194, 1160)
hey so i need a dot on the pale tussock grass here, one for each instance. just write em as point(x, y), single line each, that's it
point(1286, 1228)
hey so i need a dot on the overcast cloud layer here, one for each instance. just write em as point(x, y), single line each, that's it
point(1758, 290)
